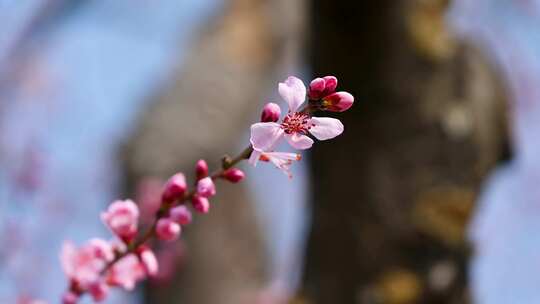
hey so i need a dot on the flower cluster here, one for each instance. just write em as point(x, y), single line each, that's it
point(99, 264)
point(298, 123)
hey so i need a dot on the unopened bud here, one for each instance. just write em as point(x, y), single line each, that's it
point(174, 188)
point(234, 175)
point(270, 113)
point(206, 187)
point(167, 229)
point(201, 204)
point(321, 87)
point(338, 102)
point(181, 215)
point(148, 260)
point(201, 169)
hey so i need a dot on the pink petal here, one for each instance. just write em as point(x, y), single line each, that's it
point(293, 91)
point(330, 83)
point(254, 158)
point(299, 141)
point(283, 160)
point(265, 135)
point(325, 128)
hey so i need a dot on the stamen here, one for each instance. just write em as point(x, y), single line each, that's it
point(296, 122)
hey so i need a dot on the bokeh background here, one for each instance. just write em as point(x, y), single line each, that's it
point(430, 196)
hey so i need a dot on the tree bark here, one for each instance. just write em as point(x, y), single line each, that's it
point(392, 196)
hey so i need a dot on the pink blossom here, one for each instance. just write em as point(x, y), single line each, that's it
point(122, 218)
point(321, 87)
point(200, 203)
point(83, 265)
point(99, 291)
point(181, 215)
point(167, 229)
point(126, 272)
point(70, 297)
point(234, 175)
point(174, 188)
point(270, 113)
point(201, 169)
point(206, 187)
point(148, 260)
point(282, 160)
point(295, 125)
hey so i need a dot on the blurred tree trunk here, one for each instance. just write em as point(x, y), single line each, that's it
point(393, 195)
point(205, 113)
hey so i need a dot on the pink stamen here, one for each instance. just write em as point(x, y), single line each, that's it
point(296, 122)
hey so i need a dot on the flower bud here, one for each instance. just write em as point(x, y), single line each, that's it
point(330, 83)
point(201, 169)
point(174, 188)
point(316, 88)
point(98, 291)
point(321, 87)
point(200, 203)
point(148, 260)
point(206, 187)
point(70, 297)
point(338, 102)
point(167, 229)
point(234, 175)
point(181, 215)
point(270, 113)
point(122, 218)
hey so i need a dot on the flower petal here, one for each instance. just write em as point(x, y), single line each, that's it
point(325, 127)
point(283, 160)
point(299, 141)
point(254, 158)
point(293, 91)
point(265, 135)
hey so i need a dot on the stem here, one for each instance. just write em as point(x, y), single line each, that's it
point(227, 163)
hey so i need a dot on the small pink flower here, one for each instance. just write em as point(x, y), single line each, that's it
point(234, 175)
point(126, 272)
point(321, 87)
point(270, 113)
point(83, 265)
point(295, 125)
point(148, 260)
point(70, 297)
point(206, 187)
point(98, 291)
point(122, 218)
point(200, 203)
point(281, 160)
point(174, 188)
point(167, 229)
point(181, 215)
point(201, 169)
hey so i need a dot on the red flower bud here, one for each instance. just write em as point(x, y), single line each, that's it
point(321, 87)
point(270, 113)
point(201, 169)
point(181, 215)
point(338, 102)
point(201, 204)
point(234, 175)
point(167, 229)
point(174, 188)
